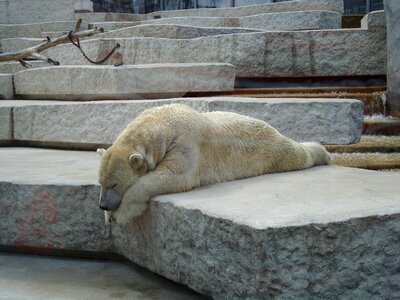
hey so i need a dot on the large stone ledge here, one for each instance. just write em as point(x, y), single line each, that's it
point(35, 30)
point(171, 31)
point(288, 235)
point(266, 54)
point(49, 200)
point(14, 67)
point(28, 11)
point(15, 44)
point(327, 121)
point(6, 86)
point(304, 20)
point(124, 82)
point(109, 17)
point(297, 5)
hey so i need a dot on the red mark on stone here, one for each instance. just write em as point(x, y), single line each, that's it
point(33, 223)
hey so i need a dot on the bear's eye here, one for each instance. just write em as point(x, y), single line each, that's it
point(113, 186)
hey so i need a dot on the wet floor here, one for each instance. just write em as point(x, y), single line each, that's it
point(34, 277)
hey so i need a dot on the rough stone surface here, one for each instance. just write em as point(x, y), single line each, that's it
point(13, 67)
point(304, 20)
point(124, 82)
point(34, 30)
point(392, 9)
point(49, 200)
point(83, 6)
point(6, 86)
point(28, 11)
point(255, 238)
point(170, 31)
point(266, 54)
point(15, 44)
point(321, 233)
point(298, 5)
point(6, 126)
point(374, 19)
point(328, 121)
point(109, 17)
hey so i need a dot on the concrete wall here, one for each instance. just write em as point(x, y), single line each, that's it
point(34, 11)
point(392, 8)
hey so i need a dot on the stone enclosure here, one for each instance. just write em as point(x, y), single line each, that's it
point(326, 232)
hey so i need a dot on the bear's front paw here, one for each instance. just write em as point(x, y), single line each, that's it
point(123, 216)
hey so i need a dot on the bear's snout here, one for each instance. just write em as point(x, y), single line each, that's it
point(109, 200)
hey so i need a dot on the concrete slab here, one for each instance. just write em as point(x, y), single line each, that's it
point(34, 30)
point(6, 86)
point(31, 277)
point(27, 11)
point(286, 6)
point(15, 44)
point(109, 17)
point(304, 234)
point(171, 31)
point(329, 121)
point(124, 82)
point(304, 20)
point(14, 67)
point(350, 52)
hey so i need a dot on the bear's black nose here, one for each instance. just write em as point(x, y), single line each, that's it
point(103, 206)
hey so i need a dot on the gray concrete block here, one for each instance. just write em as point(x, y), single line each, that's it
point(124, 82)
point(392, 10)
point(6, 124)
point(324, 120)
point(49, 200)
point(286, 6)
point(350, 52)
point(303, 20)
point(27, 11)
point(318, 233)
point(311, 234)
point(374, 19)
point(6, 86)
point(34, 30)
point(171, 31)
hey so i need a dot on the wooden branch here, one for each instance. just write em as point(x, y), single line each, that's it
point(33, 52)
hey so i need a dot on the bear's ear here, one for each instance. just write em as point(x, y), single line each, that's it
point(100, 151)
point(136, 160)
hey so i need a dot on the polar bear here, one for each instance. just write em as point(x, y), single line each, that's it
point(174, 148)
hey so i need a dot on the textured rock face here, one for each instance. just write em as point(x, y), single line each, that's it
point(124, 82)
point(374, 19)
point(28, 11)
point(34, 30)
point(392, 9)
point(260, 238)
point(267, 54)
point(324, 120)
point(171, 31)
point(6, 126)
point(49, 200)
point(6, 86)
point(304, 20)
point(15, 44)
point(13, 67)
point(297, 5)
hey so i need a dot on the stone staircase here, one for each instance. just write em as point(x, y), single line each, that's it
point(324, 232)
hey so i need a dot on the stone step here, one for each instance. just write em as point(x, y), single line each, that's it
point(215, 238)
point(6, 86)
point(123, 82)
point(82, 125)
point(34, 30)
point(371, 161)
point(369, 143)
point(381, 125)
point(372, 96)
point(302, 20)
point(14, 67)
point(317, 53)
point(171, 31)
point(290, 6)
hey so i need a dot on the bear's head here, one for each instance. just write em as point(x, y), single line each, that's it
point(120, 168)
